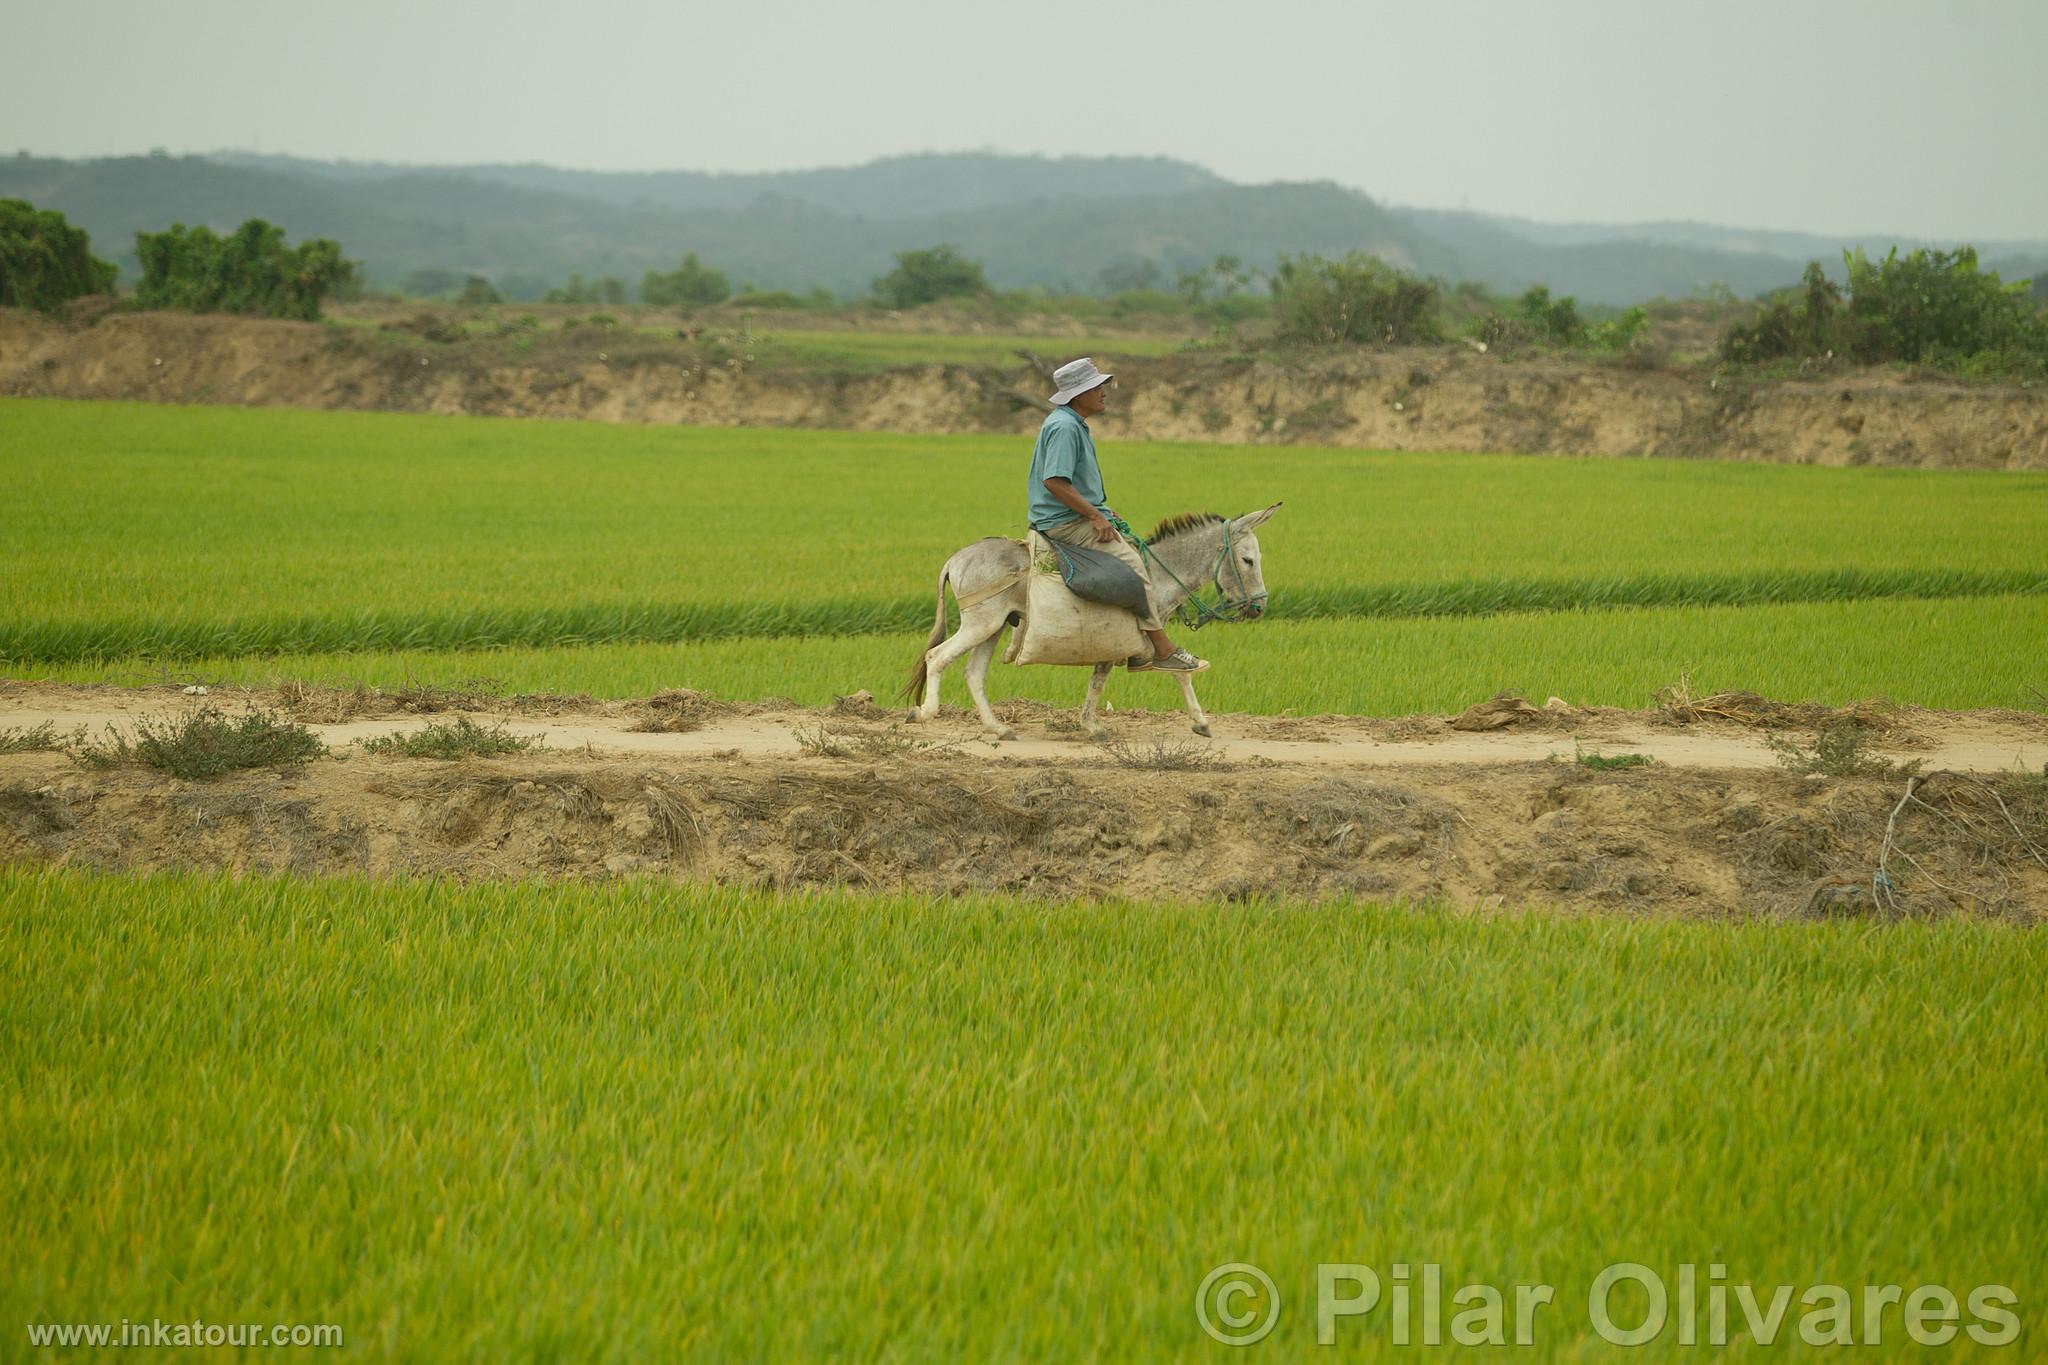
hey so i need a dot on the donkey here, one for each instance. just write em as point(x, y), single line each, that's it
point(1190, 553)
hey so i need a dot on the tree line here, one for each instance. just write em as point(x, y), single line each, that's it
point(45, 262)
point(1929, 307)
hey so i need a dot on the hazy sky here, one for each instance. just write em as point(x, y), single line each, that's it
point(1925, 118)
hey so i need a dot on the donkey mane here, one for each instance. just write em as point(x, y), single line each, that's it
point(1186, 521)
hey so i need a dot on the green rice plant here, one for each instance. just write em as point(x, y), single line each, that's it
point(644, 1121)
point(204, 744)
point(367, 531)
point(462, 739)
point(1607, 763)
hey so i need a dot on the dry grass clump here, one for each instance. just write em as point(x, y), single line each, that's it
point(1505, 709)
point(674, 712)
point(1678, 705)
point(822, 741)
point(1166, 755)
point(333, 705)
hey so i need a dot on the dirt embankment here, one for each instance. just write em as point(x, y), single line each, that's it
point(682, 789)
point(1436, 399)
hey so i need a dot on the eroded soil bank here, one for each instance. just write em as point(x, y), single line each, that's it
point(1428, 399)
point(1331, 806)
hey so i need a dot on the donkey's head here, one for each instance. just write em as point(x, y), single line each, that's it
point(1241, 572)
point(1201, 549)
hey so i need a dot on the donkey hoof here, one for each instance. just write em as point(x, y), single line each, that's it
point(1005, 733)
point(1203, 729)
point(910, 716)
point(1097, 733)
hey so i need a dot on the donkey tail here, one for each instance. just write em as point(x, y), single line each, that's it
point(913, 689)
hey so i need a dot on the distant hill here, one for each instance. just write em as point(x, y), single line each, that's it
point(1769, 252)
point(1616, 269)
point(1032, 221)
point(534, 238)
point(894, 187)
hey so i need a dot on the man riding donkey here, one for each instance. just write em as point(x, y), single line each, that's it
point(1068, 501)
point(1107, 593)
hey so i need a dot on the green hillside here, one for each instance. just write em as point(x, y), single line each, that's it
point(1032, 221)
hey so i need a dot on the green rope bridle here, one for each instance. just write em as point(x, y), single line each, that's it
point(1193, 612)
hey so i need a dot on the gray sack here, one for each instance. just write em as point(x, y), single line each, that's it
point(1099, 576)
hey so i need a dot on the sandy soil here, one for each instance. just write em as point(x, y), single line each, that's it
point(685, 788)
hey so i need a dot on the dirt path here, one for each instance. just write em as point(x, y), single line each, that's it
point(681, 788)
point(1987, 742)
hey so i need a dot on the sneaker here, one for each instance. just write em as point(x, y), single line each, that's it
point(1138, 663)
point(1180, 661)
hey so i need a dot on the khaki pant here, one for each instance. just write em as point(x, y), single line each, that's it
point(1083, 533)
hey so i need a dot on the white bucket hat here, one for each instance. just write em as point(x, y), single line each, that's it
point(1075, 378)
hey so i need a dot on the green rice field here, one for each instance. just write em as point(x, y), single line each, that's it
point(648, 1119)
point(233, 543)
point(1954, 653)
point(638, 1121)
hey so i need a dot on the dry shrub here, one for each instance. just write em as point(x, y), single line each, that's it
point(1841, 748)
point(1678, 705)
point(30, 739)
point(674, 712)
point(1943, 842)
point(1166, 755)
point(1505, 709)
point(333, 705)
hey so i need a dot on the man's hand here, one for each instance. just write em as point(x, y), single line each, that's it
point(1063, 491)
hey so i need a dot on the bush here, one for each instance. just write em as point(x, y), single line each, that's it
point(610, 289)
point(1555, 321)
point(206, 744)
point(478, 292)
point(248, 271)
point(689, 285)
point(1358, 299)
point(922, 277)
point(464, 739)
point(1927, 307)
point(1619, 333)
point(44, 261)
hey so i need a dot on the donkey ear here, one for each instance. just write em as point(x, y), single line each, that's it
point(1251, 521)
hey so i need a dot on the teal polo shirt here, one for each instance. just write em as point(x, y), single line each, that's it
point(1065, 450)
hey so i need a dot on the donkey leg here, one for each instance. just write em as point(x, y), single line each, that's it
point(1187, 690)
point(1096, 681)
point(977, 686)
point(973, 630)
